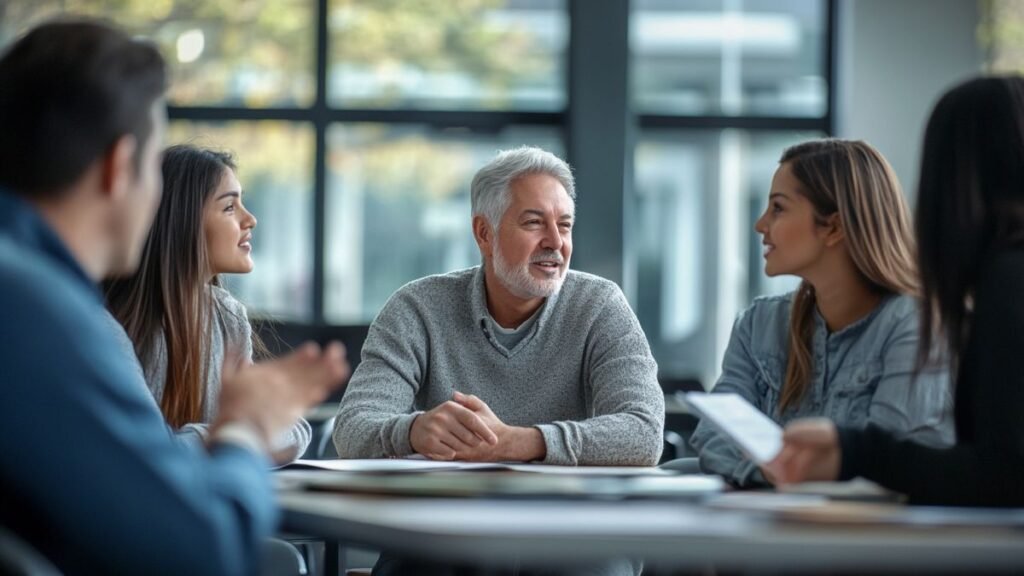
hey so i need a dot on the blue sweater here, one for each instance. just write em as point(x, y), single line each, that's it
point(89, 473)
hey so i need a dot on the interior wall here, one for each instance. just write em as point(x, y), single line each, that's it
point(894, 59)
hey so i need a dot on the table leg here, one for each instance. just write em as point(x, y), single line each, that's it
point(334, 560)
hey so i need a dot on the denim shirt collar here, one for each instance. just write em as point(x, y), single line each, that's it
point(22, 224)
point(821, 328)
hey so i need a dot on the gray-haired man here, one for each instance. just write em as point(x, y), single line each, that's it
point(517, 359)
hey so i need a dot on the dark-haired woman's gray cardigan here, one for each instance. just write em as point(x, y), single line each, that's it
point(232, 330)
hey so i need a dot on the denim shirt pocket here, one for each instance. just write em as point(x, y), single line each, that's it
point(851, 393)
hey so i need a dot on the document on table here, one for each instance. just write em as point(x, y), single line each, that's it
point(758, 436)
point(413, 465)
point(417, 476)
point(389, 465)
point(506, 484)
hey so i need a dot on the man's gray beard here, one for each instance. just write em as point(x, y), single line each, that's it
point(520, 283)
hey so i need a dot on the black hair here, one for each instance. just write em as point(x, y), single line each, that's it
point(970, 201)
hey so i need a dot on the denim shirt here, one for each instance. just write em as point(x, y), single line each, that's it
point(862, 374)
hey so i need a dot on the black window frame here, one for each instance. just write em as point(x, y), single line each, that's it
point(597, 125)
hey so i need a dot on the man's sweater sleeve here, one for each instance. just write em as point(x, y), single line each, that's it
point(628, 406)
point(376, 413)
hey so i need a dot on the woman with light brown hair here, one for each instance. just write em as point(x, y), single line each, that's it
point(844, 344)
point(970, 229)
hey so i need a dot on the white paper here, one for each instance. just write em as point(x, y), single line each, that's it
point(588, 470)
point(393, 465)
point(758, 436)
point(420, 464)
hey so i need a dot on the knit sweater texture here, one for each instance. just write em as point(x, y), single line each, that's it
point(583, 375)
point(231, 330)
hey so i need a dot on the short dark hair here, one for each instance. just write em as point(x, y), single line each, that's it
point(70, 90)
point(970, 199)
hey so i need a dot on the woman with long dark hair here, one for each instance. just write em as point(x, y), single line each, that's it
point(970, 230)
point(181, 321)
point(843, 344)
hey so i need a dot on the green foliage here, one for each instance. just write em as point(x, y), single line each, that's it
point(455, 35)
point(264, 46)
point(1001, 35)
point(261, 52)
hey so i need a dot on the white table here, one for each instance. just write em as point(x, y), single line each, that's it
point(680, 535)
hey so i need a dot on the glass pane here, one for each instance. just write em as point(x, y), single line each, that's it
point(697, 196)
point(729, 57)
point(275, 168)
point(398, 207)
point(495, 54)
point(257, 53)
point(1001, 35)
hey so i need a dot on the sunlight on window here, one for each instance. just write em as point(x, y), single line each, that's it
point(221, 52)
point(398, 207)
point(275, 168)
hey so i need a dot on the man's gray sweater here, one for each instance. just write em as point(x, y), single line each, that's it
point(583, 375)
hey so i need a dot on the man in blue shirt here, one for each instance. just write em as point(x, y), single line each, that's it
point(89, 473)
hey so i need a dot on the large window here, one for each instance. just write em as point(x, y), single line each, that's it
point(698, 194)
point(222, 52)
point(730, 57)
point(398, 203)
point(722, 87)
point(454, 55)
point(275, 168)
point(358, 125)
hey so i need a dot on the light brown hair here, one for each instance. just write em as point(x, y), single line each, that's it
point(853, 180)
